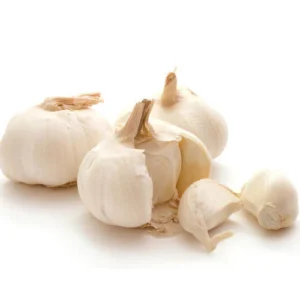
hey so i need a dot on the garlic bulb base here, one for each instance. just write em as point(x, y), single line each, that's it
point(270, 218)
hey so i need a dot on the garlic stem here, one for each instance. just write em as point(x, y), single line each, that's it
point(82, 101)
point(137, 128)
point(168, 97)
point(145, 130)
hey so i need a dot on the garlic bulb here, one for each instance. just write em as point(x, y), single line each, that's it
point(205, 205)
point(113, 180)
point(195, 158)
point(272, 199)
point(183, 108)
point(46, 144)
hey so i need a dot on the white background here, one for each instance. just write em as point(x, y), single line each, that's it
point(243, 57)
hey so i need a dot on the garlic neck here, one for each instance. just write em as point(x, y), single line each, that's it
point(137, 128)
point(168, 97)
point(82, 101)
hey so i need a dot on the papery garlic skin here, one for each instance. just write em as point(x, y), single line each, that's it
point(183, 108)
point(205, 205)
point(47, 147)
point(272, 199)
point(115, 185)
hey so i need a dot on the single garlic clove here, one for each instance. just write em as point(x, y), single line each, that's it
point(196, 160)
point(205, 205)
point(163, 160)
point(272, 199)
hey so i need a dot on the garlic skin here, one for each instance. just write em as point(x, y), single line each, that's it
point(205, 205)
point(46, 144)
point(272, 199)
point(183, 108)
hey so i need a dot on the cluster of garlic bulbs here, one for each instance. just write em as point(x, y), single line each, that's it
point(152, 170)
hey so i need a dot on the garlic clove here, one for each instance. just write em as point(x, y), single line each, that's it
point(163, 160)
point(205, 205)
point(196, 160)
point(272, 199)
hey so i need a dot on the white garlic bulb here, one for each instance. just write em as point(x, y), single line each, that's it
point(183, 108)
point(205, 205)
point(271, 198)
point(46, 144)
point(195, 158)
point(113, 180)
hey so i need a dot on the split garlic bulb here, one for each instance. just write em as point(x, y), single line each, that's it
point(205, 205)
point(195, 158)
point(113, 180)
point(46, 144)
point(272, 199)
point(183, 108)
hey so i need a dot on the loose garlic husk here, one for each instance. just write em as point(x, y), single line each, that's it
point(272, 199)
point(205, 205)
point(46, 144)
point(113, 179)
point(183, 108)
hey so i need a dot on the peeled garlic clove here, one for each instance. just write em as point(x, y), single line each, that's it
point(183, 108)
point(46, 144)
point(113, 179)
point(272, 199)
point(205, 205)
